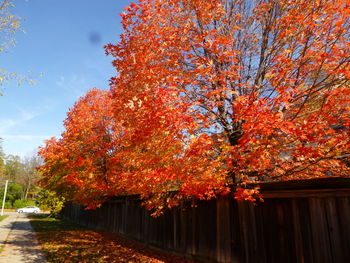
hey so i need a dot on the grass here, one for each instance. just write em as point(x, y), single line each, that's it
point(63, 241)
point(3, 217)
point(45, 224)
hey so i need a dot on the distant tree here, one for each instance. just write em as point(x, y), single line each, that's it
point(14, 192)
point(29, 175)
point(22, 172)
point(20, 203)
point(13, 167)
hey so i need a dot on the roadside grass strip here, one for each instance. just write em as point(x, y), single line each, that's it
point(3, 217)
point(2, 246)
point(63, 241)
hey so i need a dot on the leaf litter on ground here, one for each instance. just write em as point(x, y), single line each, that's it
point(66, 242)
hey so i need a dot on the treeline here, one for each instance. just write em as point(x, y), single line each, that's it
point(23, 176)
point(209, 97)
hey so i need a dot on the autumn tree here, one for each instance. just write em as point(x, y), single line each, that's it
point(77, 165)
point(53, 170)
point(269, 80)
point(210, 96)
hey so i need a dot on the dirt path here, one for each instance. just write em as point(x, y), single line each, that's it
point(18, 243)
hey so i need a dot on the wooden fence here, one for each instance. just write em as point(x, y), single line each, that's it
point(300, 221)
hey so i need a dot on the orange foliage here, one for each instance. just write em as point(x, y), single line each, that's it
point(78, 163)
point(212, 95)
point(67, 243)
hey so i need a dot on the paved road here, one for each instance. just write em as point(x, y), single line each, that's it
point(19, 241)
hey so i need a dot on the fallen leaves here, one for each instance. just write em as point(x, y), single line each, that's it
point(63, 242)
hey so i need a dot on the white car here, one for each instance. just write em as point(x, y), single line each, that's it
point(29, 209)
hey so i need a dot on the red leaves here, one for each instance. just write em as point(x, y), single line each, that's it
point(252, 195)
point(81, 156)
point(208, 96)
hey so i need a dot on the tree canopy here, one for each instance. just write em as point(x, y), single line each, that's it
point(209, 97)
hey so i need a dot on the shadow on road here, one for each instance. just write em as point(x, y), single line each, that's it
point(21, 245)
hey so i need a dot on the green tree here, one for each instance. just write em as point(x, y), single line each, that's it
point(14, 192)
point(13, 167)
point(22, 172)
point(49, 200)
point(22, 203)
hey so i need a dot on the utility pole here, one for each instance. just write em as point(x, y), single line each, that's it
point(3, 201)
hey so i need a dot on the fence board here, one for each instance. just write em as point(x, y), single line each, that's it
point(298, 222)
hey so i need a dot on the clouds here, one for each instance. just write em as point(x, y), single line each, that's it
point(22, 144)
point(24, 126)
point(74, 84)
point(7, 124)
point(18, 137)
point(25, 137)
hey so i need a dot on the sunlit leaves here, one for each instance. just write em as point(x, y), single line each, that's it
point(79, 161)
point(213, 95)
point(271, 78)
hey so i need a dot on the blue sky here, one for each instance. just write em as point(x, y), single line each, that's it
point(63, 40)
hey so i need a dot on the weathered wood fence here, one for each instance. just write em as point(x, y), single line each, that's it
point(300, 221)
